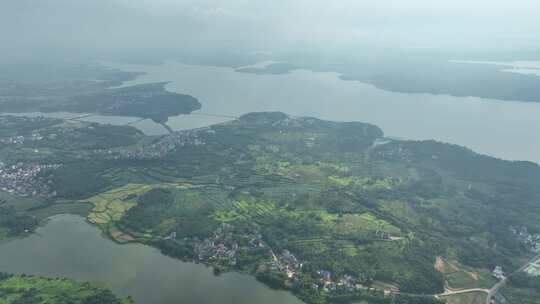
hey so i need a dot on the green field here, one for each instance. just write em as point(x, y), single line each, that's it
point(468, 298)
point(459, 276)
point(37, 290)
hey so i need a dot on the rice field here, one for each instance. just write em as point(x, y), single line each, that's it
point(110, 206)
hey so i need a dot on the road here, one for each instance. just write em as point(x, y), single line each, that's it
point(493, 291)
point(462, 291)
point(490, 292)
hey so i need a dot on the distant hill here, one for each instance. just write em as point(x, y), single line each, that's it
point(89, 89)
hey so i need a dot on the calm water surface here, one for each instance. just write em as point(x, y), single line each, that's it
point(68, 246)
point(504, 129)
point(147, 126)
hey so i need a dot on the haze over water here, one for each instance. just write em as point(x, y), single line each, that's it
point(503, 129)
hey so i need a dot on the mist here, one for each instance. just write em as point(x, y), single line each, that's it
point(166, 28)
point(269, 151)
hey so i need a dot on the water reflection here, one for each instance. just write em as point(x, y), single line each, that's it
point(69, 247)
point(500, 128)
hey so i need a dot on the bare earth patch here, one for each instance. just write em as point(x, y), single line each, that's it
point(439, 264)
point(121, 236)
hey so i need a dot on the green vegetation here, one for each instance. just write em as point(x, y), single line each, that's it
point(523, 280)
point(111, 206)
point(407, 73)
point(53, 140)
point(46, 211)
point(521, 295)
point(467, 298)
point(311, 206)
point(146, 101)
point(459, 276)
point(35, 290)
point(522, 288)
point(90, 90)
point(13, 223)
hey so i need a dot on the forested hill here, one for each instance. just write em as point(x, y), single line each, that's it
point(331, 211)
point(147, 101)
point(89, 89)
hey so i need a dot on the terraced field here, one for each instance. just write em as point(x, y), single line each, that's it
point(110, 206)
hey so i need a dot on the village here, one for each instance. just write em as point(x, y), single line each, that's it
point(329, 283)
point(399, 153)
point(156, 150)
point(530, 240)
point(221, 247)
point(286, 263)
point(21, 139)
point(22, 179)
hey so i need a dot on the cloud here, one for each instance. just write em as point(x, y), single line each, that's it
point(169, 25)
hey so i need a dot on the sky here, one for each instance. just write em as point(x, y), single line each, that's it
point(29, 27)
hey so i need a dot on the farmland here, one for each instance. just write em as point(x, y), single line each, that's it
point(307, 205)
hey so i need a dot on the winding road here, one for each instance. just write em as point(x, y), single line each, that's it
point(493, 291)
point(490, 292)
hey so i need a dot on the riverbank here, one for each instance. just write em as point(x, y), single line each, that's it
point(67, 246)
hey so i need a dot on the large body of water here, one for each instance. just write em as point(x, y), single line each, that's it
point(69, 247)
point(503, 129)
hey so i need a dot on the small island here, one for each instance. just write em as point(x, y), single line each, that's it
point(22, 289)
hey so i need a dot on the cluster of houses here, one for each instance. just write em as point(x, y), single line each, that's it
point(221, 247)
point(329, 283)
point(498, 273)
point(397, 153)
point(171, 236)
point(22, 179)
point(256, 241)
point(531, 241)
point(159, 149)
point(286, 263)
point(21, 139)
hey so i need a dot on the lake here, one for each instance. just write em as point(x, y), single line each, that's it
point(504, 129)
point(69, 247)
